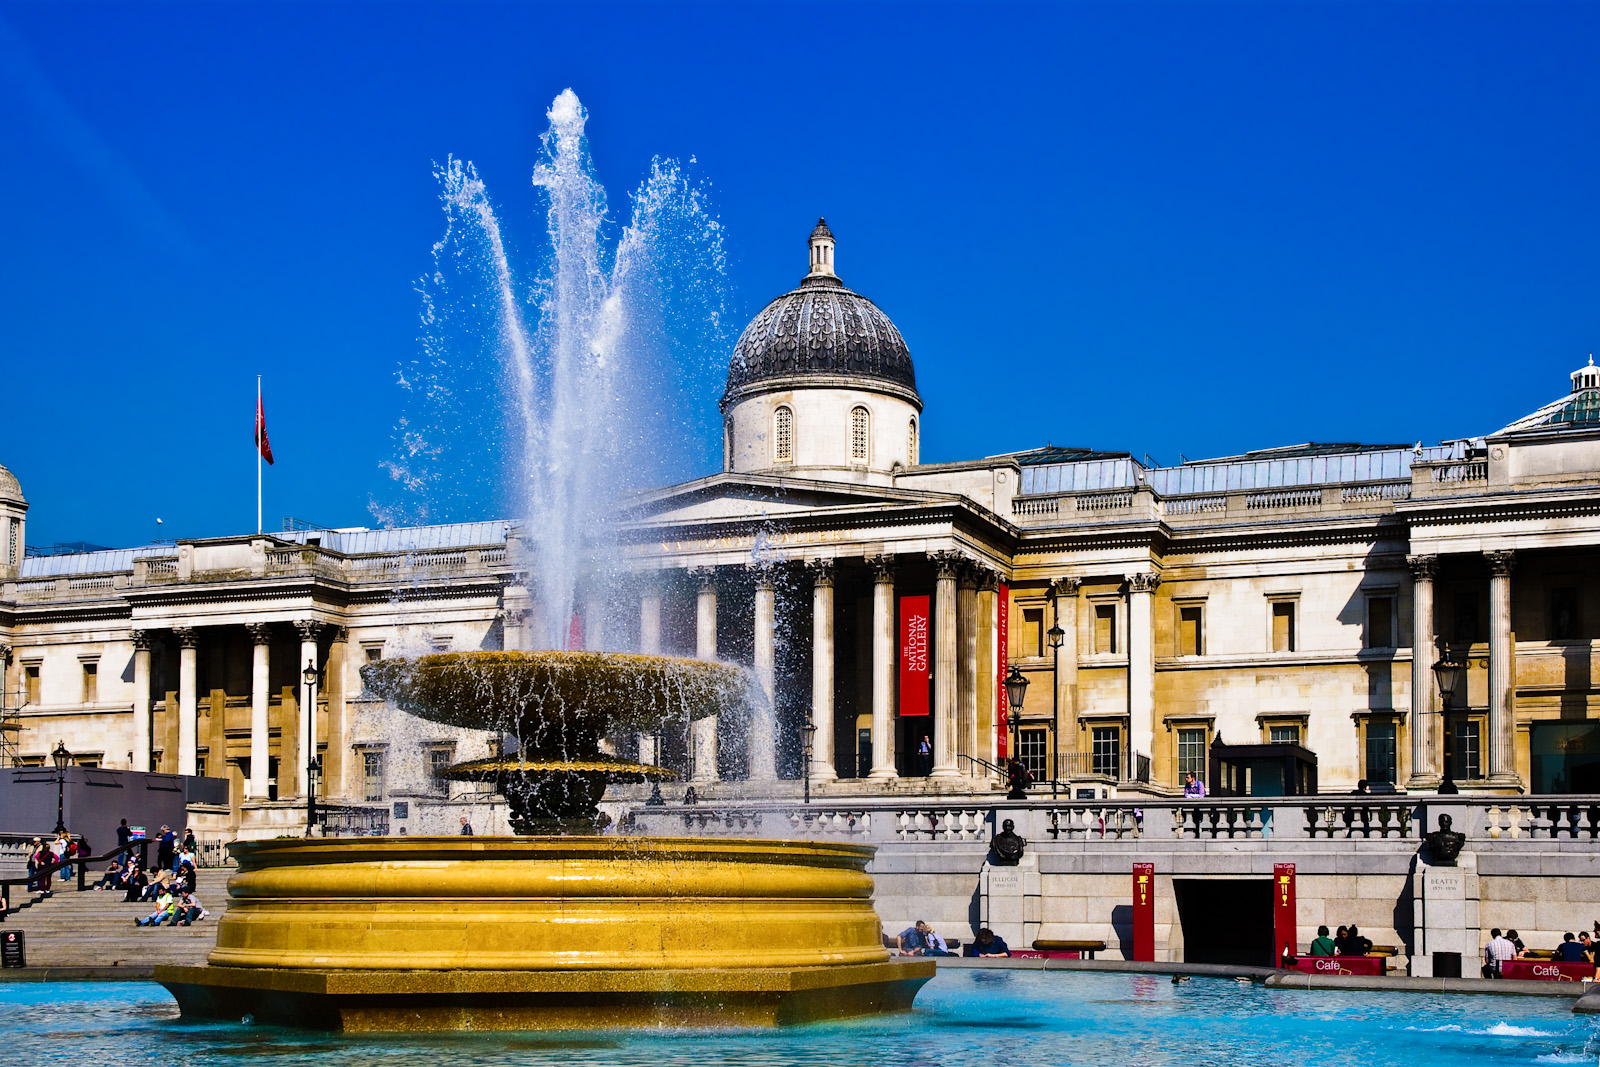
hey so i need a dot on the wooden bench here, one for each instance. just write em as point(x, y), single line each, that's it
point(1068, 950)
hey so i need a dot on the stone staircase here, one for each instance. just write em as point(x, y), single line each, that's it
point(95, 930)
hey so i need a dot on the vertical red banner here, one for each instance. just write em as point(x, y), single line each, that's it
point(1002, 656)
point(1144, 911)
point(914, 667)
point(1285, 933)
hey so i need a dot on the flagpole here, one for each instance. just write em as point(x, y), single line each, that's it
point(258, 453)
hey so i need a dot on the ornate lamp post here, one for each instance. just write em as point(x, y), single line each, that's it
point(63, 759)
point(313, 763)
point(656, 799)
point(1057, 637)
point(808, 734)
point(1016, 692)
point(1451, 675)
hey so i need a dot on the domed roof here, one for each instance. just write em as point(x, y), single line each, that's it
point(818, 331)
point(10, 488)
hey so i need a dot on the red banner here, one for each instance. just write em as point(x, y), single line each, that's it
point(1373, 965)
point(914, 644)
point(1003, 653)
point(1144, 911)
point(1284, 930)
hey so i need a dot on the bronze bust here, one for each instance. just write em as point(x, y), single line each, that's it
point(1007, 846)
point(1444, 844)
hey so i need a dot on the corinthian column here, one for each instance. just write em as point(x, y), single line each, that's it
point(883, 669)
point(966, 664)
point(705, 730)
point(188, 712)
point(1064, 593)
point(308, 704)
point(763, 720)
point(260, 692)
point(141, 700)
point(1425, 726)
point(1502, 673)
point(1141, 668)
point(822, 764)
point(946, 565)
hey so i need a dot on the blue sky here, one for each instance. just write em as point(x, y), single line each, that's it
point(1191, 228)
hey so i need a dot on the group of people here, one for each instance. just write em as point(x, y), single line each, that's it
point(1347, 942)
point(1508, 946)
point(43, 857)
point(921, 940)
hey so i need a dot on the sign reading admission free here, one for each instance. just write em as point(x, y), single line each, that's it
point(1002, 654)
point(914, 673)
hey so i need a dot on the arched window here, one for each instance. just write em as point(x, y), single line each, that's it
point(911, 442)
point(727, 444)
point(859, 426)
point(783, 435)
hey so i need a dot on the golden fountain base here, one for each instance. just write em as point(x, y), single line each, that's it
point(512, 933)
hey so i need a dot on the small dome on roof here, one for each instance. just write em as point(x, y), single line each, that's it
point(10, 488)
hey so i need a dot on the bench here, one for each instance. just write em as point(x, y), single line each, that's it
point(1066, 950)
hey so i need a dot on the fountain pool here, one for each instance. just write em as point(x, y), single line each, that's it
point(963, 1017)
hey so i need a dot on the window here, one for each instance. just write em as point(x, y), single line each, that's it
point(1381, 750)
point(1033, 748)
point(1105, 628)
point(1284, 735)
point(91, 681)
point(30, 682)
point(1466, 748)
point(860, 423)
point(374, 652)
point(1031, 637)
point(1283, 635)
point(1105, 751)
point(1191, 637)
point(783, 435)
point(1564, 614)
point(372, 775)
point(1192, 752)
point(440, 758)
point(13, 549)
point(911, 442)
point(727, 444)
point(1380, 622)
point(199, 766)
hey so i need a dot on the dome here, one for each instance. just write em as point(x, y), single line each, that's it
point(10, 488)
point(821, 334)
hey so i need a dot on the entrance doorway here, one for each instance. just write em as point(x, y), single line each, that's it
point(1226, 920)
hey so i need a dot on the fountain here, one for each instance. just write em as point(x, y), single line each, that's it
point(560, 926)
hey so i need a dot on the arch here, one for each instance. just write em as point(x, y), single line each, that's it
point(860, 434)
point(911, 442)
point(783, 434)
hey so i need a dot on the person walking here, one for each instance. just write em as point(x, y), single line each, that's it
point(466, 827)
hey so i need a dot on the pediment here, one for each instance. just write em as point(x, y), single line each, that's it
point(744, 496)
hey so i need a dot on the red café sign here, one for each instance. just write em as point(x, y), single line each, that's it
point(1370, 965)
point(914, 673)
point(1002, 650)
point(1547, 970)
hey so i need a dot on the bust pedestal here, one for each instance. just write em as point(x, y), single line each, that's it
point(1010, 903)
point(1445, 913)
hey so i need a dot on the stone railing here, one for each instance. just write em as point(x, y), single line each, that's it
point(1283, 498)
point(1470, 471)
point(1195, 505)
point(1103, 501)
point(1362, 494)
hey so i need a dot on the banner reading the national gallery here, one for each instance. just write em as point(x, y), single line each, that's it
point(1002, 654)
point(914, 676)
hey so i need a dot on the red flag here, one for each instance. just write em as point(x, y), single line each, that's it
point(262, 445)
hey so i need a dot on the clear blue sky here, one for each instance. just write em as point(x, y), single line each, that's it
point(1192, 227)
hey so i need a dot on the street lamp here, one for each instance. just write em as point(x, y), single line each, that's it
point(63, 759)
point(1057, 637)
point(313, 764)
point(808, 734)
point(1450, 674)
point(1016, 692)
point(656, 799)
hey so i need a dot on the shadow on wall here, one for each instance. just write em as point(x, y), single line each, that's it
point(1122, 929)
point(1404, 921)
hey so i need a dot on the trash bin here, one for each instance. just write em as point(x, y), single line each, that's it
point(1447, 965)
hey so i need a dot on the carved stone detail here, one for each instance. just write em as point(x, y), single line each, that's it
point(260, 632)
point(821, 571)
point(1423, 568)
point(1501, 562)
point(882, 567)
point(705, 578)
point(143, 641)
point(1065, 587)
point(308, 629)
point(947, 564)
point(187, 637)
point(1143, 583)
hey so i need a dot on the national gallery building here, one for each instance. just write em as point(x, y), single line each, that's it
point(1206, 617)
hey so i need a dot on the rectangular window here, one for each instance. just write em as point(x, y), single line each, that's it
point(200, 766)
point(438, 760)
point(30, 682)
point(1283, 635)
point(1381, 750)
point(1564, 614)
point(1033, 748)
point(1032, 635)
point(372, 775)
point(13, 549)
point(1192, 752)
point(1284, 735)
point(1466, 748)
point(1380, 622)
point(1105, 628)
point(91, 682)
point(1105, 752)
point(1191, 637)
point(374, 653)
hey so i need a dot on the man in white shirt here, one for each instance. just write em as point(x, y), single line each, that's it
point(1496, 952)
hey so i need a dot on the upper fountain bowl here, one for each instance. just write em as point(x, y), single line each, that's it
point(551, 699)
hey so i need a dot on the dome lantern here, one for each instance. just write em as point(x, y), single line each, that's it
point(822, 253)
point(1586, 377)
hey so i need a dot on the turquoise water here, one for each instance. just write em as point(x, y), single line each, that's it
point(963, 1017)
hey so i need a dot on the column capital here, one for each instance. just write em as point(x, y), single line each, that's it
point(514, 616)
point(143, 641)
point(307, 628)
point(5, 653)
point(882, 568)
point(340, 633)
point(1500, 562)
point(987, 578)
point(260, 632)
point(1143, 583)
point(821, 571)
point(1423, 568)
point(947, 563)
point(705, 577)
point(1065, 587)
point(187, 637)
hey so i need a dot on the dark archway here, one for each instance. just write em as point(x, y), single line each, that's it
point(1226, 920)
